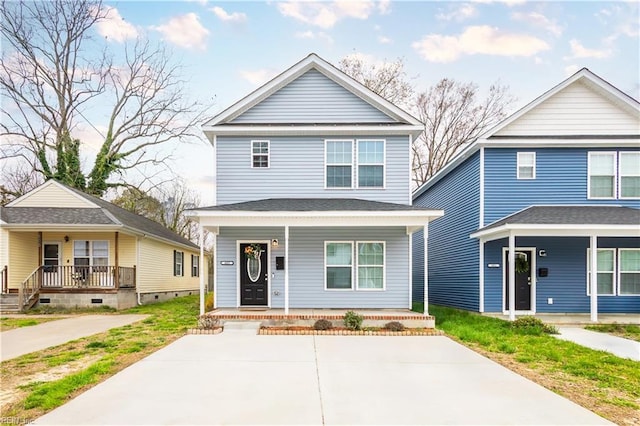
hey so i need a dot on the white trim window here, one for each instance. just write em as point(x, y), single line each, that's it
point(195, 265)
point(371, 161)
point(629, 272)
point(338, 260)
point(178, 263)
point(260, 154)
point(606, 272)
point(602, 175)
point(370, 270)
point(629, 180)
point(526, 164)
point(339, 163)
point(91, 253)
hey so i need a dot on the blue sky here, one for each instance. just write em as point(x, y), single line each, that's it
point(229, 48)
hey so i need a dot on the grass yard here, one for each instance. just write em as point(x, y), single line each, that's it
point(628, 331)
point(11, 323)
point(601, 382)
point(39, 382)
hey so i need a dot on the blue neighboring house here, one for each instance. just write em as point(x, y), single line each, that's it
point(313, 193)
point(532, 206)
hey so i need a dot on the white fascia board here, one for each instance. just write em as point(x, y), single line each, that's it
point(313, 129)
point(561, 230)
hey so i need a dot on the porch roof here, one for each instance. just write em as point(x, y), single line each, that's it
point(614, 221)
point(315, 212)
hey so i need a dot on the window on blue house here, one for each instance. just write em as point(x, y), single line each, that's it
point(630, 175)
point(339, 265)
point(526, 165)
point(602, 175)
point(370, 266)
point(629, 271)
point(606, 271)
point(339, 163)
point(370, 163)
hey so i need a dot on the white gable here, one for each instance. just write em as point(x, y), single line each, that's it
point(52, 194)
point(313, 98)
point(577, 109)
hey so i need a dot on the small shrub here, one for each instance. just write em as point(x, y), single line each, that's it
point(532, 325)
point(353, 320)
point(322, 324)
point(394, 326)
point(208, 302)
point(206, 322)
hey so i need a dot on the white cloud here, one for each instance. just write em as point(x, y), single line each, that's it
point(258, 77)
point(459, 13)
point(509, 3)
point(311, 35)
point(578, 51)
point(539, 20)
point(114, 27)
point(326, 14)
point(384, 40)
point(483, 40)
point(236, 17)
point(571, 69)
point(185, 31)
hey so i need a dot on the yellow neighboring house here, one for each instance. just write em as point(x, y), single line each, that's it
point(62, 247)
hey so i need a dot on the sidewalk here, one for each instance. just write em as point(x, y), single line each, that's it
point(624, 348)
point(25, 340)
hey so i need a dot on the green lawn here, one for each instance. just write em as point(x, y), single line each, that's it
point(627, 331)
point(99, 357)
point(597, 380)
point(11, 323)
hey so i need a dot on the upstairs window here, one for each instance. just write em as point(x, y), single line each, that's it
point(526, 165)
point(629, 175)
point(370, 164)
point(259, 154)
point(339, 163)
point(602, 175)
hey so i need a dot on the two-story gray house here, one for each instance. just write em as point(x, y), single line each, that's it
point(313, 195)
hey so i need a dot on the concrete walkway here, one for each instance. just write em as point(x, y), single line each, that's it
point(24, 340)
point(624, 348)
point(328, 380)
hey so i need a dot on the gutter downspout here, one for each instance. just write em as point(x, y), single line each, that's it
point(138, 263)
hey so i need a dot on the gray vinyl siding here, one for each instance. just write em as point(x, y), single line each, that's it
point(313, 98)
point(306, 267)
point(453, 256)
point(297, 169)
point(566, 283)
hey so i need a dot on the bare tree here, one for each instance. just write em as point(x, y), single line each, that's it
point(453, 116)
point(387, 79)
point(452, 112)
point(18, 179)
point(48, 82)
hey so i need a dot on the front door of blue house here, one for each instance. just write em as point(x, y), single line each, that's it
point(254, 274)
point(523, 280)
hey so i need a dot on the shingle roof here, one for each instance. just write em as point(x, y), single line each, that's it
point(106, 213)
point(571, 215)
point(35, 215)
point(312, 205)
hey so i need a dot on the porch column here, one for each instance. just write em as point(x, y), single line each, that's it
point(425, 233)
point(594, 278)
point(512, 277)
point(117, 263)
point(481, 275)
point(201, 242)
point(214, 258)
point(286, 269)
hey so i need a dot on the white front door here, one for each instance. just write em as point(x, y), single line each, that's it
point(51, 260)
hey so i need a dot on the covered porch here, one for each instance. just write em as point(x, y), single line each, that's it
point(306, 227)
point(605, 228)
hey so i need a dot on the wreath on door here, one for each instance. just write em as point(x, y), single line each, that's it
point(252, 251)
point(522, 263)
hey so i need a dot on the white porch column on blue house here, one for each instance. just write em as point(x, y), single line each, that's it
point(214, 255)
point(200, 268)
point(286, 269)
point(425, 232)
point(512, 277)
point(594, 278)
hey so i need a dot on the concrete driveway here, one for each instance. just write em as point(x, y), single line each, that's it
point(250, 379)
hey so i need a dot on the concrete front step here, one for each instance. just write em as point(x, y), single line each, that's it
point(242, 327)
